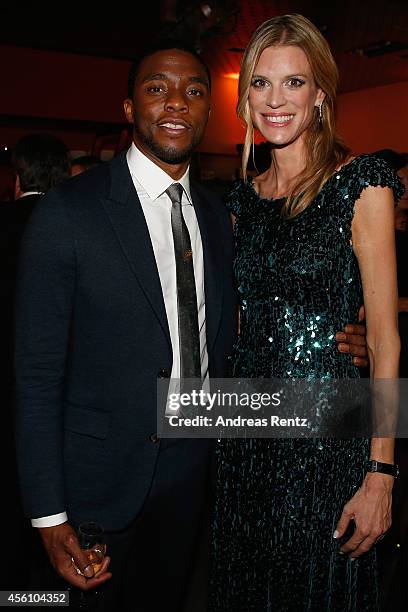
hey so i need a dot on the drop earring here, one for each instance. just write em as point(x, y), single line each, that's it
point(320, 114)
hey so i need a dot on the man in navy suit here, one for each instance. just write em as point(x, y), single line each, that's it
point(98, 322)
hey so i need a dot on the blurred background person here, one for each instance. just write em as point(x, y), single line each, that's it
point(40, 161)
point(399, 162)
point(401, 216)
point(403, 174)
point(6, 176)
point(85, 162)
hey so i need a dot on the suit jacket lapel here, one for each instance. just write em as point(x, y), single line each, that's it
point(126, 215)
point(213, 260)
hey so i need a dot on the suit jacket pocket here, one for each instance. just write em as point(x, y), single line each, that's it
point(86, 421)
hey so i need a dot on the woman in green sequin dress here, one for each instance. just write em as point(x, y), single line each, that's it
point(304, 266)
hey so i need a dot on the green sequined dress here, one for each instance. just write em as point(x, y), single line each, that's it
point(278, 500)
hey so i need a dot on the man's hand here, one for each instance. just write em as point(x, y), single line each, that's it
point(353, 341)
point(61, 544)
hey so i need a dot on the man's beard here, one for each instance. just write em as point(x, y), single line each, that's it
point(169, 155)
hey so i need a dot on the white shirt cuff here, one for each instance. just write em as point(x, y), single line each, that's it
point(50, 521)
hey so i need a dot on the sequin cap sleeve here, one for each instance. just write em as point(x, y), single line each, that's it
point(370, 171)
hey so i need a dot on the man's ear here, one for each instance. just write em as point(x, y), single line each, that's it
point(128, 108)
point(17, 188)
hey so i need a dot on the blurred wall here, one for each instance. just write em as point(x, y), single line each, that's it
point(53, 84)
point(376, 118)
point(62, 86)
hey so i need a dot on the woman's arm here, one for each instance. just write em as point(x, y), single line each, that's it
point(374, 246)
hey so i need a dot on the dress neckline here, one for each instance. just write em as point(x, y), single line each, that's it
point(283, 198)
point(254, 191)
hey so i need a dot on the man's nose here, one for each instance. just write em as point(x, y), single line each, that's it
point(176, 101)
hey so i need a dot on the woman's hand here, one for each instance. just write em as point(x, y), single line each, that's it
point(370, 509)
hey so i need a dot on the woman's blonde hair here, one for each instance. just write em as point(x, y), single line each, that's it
point(324, 149)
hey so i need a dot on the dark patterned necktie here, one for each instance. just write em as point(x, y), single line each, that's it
point(189, 336)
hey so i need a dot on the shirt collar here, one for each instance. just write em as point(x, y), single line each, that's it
point(152, 178)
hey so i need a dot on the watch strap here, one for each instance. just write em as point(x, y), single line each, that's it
point(383, 468)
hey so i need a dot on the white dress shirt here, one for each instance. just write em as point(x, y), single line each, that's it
point(151, 183)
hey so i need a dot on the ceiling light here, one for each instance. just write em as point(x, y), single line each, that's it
point(380, 48)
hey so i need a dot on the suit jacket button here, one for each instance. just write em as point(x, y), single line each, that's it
point(163, 374)
point(154, 438)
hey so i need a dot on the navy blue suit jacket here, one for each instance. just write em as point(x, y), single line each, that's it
point(92, 338)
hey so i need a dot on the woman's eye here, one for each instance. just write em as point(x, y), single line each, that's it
point(258, 83)
point(294, 83)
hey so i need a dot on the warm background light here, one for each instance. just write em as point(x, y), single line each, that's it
point(368, 119)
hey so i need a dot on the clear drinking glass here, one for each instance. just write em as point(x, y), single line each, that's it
point(91, 539)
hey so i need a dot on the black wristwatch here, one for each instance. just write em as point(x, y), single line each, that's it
point(391, 469)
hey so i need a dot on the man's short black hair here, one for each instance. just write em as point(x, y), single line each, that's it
point(41, 161)
point(162, 45)
point(393, 158)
